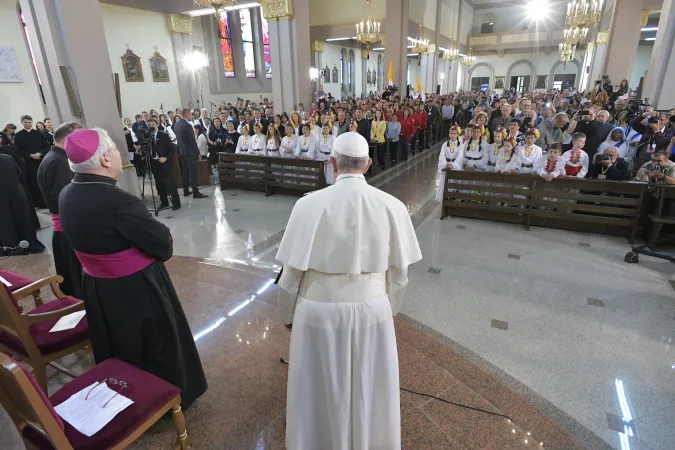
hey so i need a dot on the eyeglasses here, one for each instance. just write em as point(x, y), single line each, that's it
point(111, 380)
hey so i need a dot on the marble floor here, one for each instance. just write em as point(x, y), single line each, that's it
point(550, 328)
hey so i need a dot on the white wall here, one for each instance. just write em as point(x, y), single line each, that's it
point(330, 12)
point(424, 12)
point(641, 64)
point(17, 98)
point(413, 73)
point(331, 57)
point(465, 23)
point(142, 30)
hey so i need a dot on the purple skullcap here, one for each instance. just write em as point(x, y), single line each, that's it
point(81, 145)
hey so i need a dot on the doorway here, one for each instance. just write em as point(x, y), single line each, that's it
point(520, 83)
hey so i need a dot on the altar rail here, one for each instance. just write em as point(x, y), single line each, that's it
point(270, 174)
point(598, 206)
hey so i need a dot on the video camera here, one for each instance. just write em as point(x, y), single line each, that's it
point(144, 136)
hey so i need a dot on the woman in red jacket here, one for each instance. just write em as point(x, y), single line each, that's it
point(421, 117)
point(407, 132)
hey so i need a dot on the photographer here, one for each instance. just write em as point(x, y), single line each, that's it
point(161, 152)
point(660, 170)
point(608, 166)
point(584, 122)
point(654, 136)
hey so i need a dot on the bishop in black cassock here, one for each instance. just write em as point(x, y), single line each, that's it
point(132, 308)
point(53, 175)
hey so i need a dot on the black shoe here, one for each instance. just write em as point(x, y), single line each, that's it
point(187, 193)
point(175, 207)
point(199, 195)
point(164, 205)
point(382, 168)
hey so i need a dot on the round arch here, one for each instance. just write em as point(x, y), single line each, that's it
point(483, 64)
point(533, 75)
point(352, 73)
point(555, 66)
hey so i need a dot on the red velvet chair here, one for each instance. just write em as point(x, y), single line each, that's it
point(26, 335)
point(17, 282)
point(41, 427)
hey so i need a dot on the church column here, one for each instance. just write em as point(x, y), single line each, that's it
point(624, 38)
point(437, 40)
point(180, 28)
point(364, 68)
point(396, 29)
point(427, 65)
point(290, 52)
point(657, 87)
point(317, 58)
point(73, 57)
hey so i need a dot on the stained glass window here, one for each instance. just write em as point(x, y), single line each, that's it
point(266, 45)
point(247, 42)
point(226, 44)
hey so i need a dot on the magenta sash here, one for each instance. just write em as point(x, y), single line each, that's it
point(116, 265)
point(57, 222)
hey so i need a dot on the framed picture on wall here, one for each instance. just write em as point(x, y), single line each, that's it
point(335, 75)
point(541, 82)
point(160, 71)
point(326, 74)
point(369, 78)
point(499, 82)
point(10, 71)
point(133, 69)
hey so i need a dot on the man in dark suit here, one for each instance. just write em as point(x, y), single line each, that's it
point(259, 120)
point(161, 162)
point(188, 150)
point(141, 122)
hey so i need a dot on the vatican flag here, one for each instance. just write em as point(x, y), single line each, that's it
point(419, 88)
point(390, 76)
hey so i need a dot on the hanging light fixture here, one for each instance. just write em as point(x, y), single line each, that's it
point(368, 30)
point(469, 60)
point(575, 35)
point(215, 4)
point(583, 13)
point(567, 52)
point(420, 45)
point(451, 54)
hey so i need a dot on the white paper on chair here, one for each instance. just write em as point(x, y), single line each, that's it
point(5, 282)
point(90, 416)
point(68, 322)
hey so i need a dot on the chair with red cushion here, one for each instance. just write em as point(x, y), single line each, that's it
point(40, 426)
point(26, 335)
point(14, 281)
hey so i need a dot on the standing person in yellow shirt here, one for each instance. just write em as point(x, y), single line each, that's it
point(377, 130)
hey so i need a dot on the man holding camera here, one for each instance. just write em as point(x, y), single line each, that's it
point(660, 170)
point(161, 163)
point(655, 136)
point(608, 166)
point(584, 122)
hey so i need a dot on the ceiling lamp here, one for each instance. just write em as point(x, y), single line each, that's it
point(567, 52)
point(451, 54)
point(420, 45)
point(215, 4)
point(469, 60)
point(583, 13)
point(368, 30)
point(575, 35)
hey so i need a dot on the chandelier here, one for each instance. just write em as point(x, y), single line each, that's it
point(451, 54)
point(469, 60)
point(368, 30)
point(575, 35)
point(567, 52)
point(215, 4)
point(420, 45)
point(583, 13)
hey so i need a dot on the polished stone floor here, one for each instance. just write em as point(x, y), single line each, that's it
point(550, 328)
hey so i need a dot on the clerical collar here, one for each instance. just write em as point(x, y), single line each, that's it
point(85, 178)
point(350, 175)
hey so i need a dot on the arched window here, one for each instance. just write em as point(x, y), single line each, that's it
point(247, 42)
point(344, 62)
point(226, 44)
point(352, 72)
point(266, 45)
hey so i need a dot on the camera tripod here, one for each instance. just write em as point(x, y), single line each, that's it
point(147, 170)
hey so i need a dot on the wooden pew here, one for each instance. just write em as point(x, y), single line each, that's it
point(270, 174)
point(658, 216)
point(565, 203)
point(203, 172)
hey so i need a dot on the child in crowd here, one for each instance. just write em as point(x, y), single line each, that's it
point(554, 165)
point(289, 143)
point(325, 148)
point(576, 159)
point(258, 146)
point(507, 160)
point(528, 153)
point(393, 135)
point(450, 158)
point(273, 142)
point(244, 142)
point(493, 149)
point(475, 151)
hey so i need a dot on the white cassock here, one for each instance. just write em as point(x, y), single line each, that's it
point(323, 154)
point(346, 252)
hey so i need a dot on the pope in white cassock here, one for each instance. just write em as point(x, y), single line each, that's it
point(346, 252)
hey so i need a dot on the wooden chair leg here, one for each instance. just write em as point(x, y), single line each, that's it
point(40, 373)
point(182, 440)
